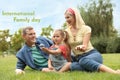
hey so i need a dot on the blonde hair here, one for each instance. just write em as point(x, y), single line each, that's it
point(64, 34)
point(78, 18)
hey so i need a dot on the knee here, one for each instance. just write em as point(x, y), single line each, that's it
point(84, 61)
point(69, 63)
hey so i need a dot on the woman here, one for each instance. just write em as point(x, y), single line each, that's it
point(85, 57)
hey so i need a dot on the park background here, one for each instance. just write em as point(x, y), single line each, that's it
point(103, 16)
point(46, 16)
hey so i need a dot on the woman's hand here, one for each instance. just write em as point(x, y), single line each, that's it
point(80, 47)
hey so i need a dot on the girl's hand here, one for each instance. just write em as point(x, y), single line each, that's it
point(45, 49)
point(51, 67)
point(80, 47)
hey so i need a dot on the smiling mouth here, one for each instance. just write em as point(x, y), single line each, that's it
point(69, 22)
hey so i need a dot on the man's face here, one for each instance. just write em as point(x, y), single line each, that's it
point(30, 37)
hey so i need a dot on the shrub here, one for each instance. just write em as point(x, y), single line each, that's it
point(100, 43)
point(113, 45)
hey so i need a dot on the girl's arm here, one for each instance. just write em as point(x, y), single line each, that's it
point(49, 51)
point(50, 64)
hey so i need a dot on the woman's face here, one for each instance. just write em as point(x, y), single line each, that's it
point(70, 18)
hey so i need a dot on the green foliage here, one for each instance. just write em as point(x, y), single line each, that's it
point(106, 45)
point(113, 45)
point(64, 26)
point(0, 52)
point(100, 43)
point(17, 41)
point(4, 40)
point(7, 71)
point(46, 31)
point(98, 15)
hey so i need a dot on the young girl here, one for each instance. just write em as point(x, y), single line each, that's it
point(59, 58)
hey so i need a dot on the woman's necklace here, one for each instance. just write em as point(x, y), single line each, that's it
point(74, 33)
point(74, 37)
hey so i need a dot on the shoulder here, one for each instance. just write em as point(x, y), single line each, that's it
point(23, 50)
point(41, 38)
point(68, 29)
point(63, 49)
point(63, 46)
point(86, 28)
point(44, 39)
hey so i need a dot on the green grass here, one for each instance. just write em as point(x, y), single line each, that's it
point(7, 71)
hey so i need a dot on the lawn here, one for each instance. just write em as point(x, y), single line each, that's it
point(7, 71)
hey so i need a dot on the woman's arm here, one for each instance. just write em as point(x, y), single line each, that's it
point(86, 40)
point(84, 45)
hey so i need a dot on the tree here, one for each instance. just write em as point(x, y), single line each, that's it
point(98, 15)
point(64, 26)
point(46, 31)
point(17, 41)
point(4, 42)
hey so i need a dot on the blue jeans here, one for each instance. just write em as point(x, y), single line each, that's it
point(89, 61)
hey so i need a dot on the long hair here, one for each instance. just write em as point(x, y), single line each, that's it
point(78, 18)
point(65, 35)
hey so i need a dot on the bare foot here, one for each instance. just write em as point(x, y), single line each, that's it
point(117, 71)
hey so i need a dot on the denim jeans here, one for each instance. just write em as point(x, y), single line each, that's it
point(89, 61)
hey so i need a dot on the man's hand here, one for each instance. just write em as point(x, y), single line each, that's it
point(19, 71)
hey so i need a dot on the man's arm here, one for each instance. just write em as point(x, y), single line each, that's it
point(49, 41)
point(20, 67)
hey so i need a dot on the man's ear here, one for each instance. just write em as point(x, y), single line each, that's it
point(23, 36)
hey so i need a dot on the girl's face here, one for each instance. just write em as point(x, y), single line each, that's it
point(70, 18)
point(57, 37)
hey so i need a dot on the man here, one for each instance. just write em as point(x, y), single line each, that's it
point(30, 54)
